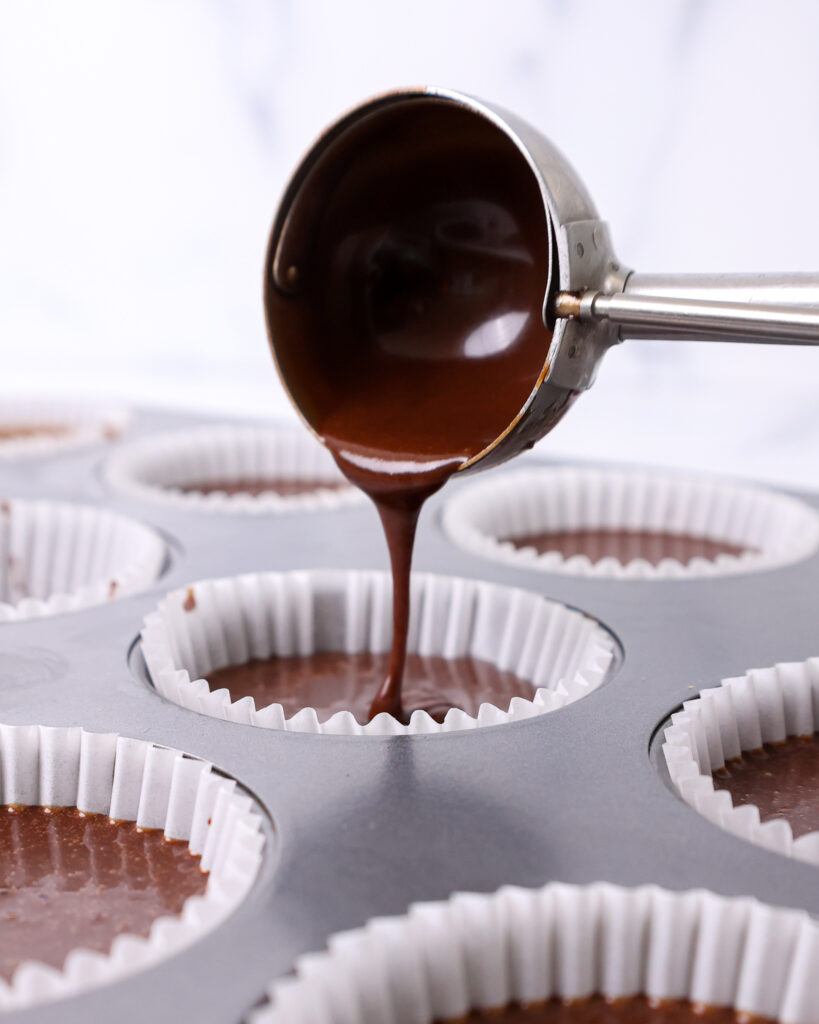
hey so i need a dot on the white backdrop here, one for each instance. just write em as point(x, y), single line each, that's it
point(143, 147)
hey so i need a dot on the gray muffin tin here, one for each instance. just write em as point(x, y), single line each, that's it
point(365, 826)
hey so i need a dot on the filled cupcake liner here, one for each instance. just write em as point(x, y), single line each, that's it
point(58, 557)
point(159, 467)
point(84, 424)
point(157, 788)
point(482, 518)
point(564, 653)
point(483, 952)
point(742, 714)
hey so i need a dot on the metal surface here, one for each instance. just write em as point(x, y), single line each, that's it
point(590, 300)
point(366, 826)
point(579, 241)
point(667, 317)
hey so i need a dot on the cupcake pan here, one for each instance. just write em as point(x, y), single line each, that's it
point(367, 826)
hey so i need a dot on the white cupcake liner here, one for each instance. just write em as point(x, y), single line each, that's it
point(482, 952)
point(156, 787)
point(85, 424)
point(742, 714)
point(564, 653)
point(56, 557)
point(782, 529)
point(158, 467)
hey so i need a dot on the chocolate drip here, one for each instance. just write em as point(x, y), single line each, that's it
point(409, 332)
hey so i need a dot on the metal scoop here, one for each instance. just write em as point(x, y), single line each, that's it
point(590, 300)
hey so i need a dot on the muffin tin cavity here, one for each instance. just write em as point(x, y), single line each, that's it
point(613, 524)
point(232, 469)
point(753, 735)
point(77, 868)
point(443, 961)
point(557, 654)
point(57, 557)
point(30, 427)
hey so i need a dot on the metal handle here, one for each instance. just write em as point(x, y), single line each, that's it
point(761, 308)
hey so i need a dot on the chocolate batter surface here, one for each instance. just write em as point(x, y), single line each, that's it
point(409, 331)
point(20, 431)
point(69, 880)
point(634, 1010)
point(255, 487)
point(782, 780)
point(626, 545)
point(332, 681)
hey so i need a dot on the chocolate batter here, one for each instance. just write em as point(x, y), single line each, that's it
point(255, 487)
point(410, 333)
point(20, 431)
point(626, 545)
point(634, 1010)
point(69, 880)
point(782, 780)
point(332, 681)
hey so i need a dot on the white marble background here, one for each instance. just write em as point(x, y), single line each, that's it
point(143, 147)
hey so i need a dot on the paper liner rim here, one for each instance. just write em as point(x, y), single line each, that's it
point(139, 575)
point(165, 675)
point(233, 869)
point(744, 820)
point(469, 537)
point(89, 424)
point(120, 474)
point(471, 935)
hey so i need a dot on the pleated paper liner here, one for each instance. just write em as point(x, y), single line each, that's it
point(769, 529)
point(564, 653)
point(742, 714)
point(31, 427)
point(169, 468)
point(58, 557)
point(157, 788)
point(484, 952)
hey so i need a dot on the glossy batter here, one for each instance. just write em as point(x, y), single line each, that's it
point(21, 431)
point(255, 487)
point(635, 1010)
point(782, 780)
point(626, 545)
point(70, 880)
point(332, 681)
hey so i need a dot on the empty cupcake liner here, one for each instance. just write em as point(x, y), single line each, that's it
point(57, 557)
point(159, 467)
point(483, 952)
point(781, 529)
point(156, 787)
point(742, 714)
point(564, 653)
point(74, 425)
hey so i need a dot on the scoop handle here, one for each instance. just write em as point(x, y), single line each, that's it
point(775, 309)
